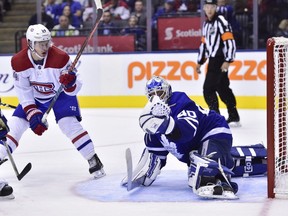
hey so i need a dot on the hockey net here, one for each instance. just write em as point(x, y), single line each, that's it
point(277, 116)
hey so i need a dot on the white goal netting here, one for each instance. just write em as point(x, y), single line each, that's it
point(280, 117)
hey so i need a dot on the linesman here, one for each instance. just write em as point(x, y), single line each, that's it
point(217, 45)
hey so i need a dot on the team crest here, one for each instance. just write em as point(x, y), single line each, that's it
point(44, 88)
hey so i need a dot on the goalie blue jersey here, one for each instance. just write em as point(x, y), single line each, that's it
point(193, 126)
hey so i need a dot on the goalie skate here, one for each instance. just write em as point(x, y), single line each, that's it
point(216, 192)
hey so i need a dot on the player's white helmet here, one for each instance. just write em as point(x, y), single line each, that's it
point(158, 86)
point(36, 33)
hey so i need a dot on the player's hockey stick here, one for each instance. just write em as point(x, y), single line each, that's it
point(72, 66)
point(132, 180)
point(7, 105)
point(26, 169)
point(2, 161)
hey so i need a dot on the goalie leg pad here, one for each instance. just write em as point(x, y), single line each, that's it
point(249, 160)
point(139, 168)
point(154, 169)
point(208, 178)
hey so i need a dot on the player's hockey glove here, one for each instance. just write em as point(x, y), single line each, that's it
point(155, 117)
point(68, 79)
point(34, 116)
point(3, 127)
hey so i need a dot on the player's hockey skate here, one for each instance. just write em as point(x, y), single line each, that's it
point(6, 191)
point(96, 167)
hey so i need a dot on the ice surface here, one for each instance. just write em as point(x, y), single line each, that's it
point(59, 182)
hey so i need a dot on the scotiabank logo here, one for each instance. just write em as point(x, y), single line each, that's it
point(181, 33)
point(175, 70)
point(170, 70)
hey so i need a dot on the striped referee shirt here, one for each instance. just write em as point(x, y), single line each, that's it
point(217, 40)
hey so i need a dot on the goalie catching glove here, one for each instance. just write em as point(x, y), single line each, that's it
point(155, 117)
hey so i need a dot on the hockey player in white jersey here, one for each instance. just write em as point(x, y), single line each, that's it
point(39, 70)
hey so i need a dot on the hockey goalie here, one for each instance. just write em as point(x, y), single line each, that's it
point(173, 123)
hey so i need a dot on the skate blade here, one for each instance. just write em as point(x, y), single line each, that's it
point(99, 174)
point(9, 197)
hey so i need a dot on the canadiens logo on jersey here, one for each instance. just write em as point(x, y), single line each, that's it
point(44, 88)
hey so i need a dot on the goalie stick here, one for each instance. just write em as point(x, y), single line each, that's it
point(132, 180)
point(26, 169)
point(72, 66)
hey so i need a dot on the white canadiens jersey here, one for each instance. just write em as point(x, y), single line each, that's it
point(39, 82)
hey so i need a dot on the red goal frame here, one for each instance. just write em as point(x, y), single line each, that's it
point(281, 114)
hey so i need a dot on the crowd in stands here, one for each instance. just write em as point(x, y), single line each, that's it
point(123, 17)
point(5, 5)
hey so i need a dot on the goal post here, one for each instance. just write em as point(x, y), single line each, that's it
point(277, 117)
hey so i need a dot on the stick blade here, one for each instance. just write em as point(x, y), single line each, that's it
point(129, 168)
point(26, 169)
point(2, 161)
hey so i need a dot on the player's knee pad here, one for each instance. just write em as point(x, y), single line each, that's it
point(249, 160)
point(70, 126)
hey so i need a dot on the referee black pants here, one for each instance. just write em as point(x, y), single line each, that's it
point(215, 82)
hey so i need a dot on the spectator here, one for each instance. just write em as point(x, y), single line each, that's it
point(107, 26)
point(88, 15)
point(140, 13)
point(53, 9)
point(138, 31)
point(166, 10)
point(76, 12)
point(1, 11)
point(187, 5)
point(131, 4)
point(282, 29)
point(47, 21)
point(74, 21)
point(64, 28)
point(118, 8)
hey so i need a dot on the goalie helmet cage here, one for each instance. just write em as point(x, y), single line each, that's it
point(277, 117)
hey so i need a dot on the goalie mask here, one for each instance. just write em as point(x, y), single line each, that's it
point(37, 33)
point(158, 86)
